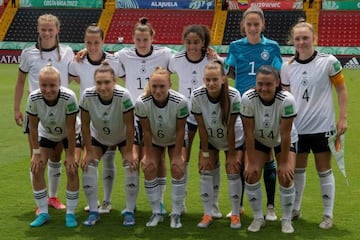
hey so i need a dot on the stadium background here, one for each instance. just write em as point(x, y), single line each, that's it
point(337, 23)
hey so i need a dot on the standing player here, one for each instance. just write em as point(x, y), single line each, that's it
point(245, 57)
point(83, 72)
point(189, 66)
point(46, 50)
point(139, 62)
point(267, 114)
point(107, 119)
point(52, 114)
point(216, 108)
point(162, 113)
point(310, 76)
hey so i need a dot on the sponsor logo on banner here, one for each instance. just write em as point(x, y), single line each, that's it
point(174, 4)
point(352, 63)
point(265, 4)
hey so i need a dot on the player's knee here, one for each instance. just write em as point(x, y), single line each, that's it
point(149, 168)
point(252, 176)
point(177, 171)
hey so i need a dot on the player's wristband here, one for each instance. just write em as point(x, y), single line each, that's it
point(205, 154)
point(36, 151)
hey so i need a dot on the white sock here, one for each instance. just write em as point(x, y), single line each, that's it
point(72, 198)
point(90, 185)
point(162, 185)
point(255, 199)
point(177, 195)
point(41, 200)
point(54, 176)
point(299, 183)
point(207, 192)
point(287, 198)
point(131, 188)
point(108, 174)
point(327, 184)
point(235, 189)
point(153, 193)
point(216, 183)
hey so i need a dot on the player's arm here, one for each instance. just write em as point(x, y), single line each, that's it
point(145, 124)
point(203, 134)
point(285, 167)
point(231, 72)
point(342, 96)
point(70, 162)
point(36, 158)
point(86, 134)
point(19, 91)
point(180, 136)
point(130, 131)
point(232, 162)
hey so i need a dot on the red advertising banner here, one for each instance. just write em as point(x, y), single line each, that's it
point(10, 56)
point(265, 4)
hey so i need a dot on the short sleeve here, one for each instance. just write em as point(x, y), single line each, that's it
point(72, 105)
point(140, 110)
point(183, 111)
point(31, 107)
point(246, 107)
point(289, 106)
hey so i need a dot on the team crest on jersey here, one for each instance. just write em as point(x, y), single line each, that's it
point(52, 120)
point(265, 54)
point(304, 81)
point(160, 121)
point(266, 123)
point(106, 118)
point(213, 118)
point(143, 67)
point(194, 78)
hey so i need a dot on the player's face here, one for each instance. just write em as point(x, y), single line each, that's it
point(253, 26)
point(49, 86)
point(193, 45)
point(213, 81)
point(94, 44)
point(266, 86)
point(159, 87)
point(104, 82)
point(142, 41)
point(48, 31)
point(303, 40)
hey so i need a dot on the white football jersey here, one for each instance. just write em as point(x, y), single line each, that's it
point(31, 62)
point(85, 70)
point(211, 113)
point(311, 86)
point(52, 119)
point(139, 68)
point(162, 119)
point(268, 117)
point(107, 120)
point(190, 73)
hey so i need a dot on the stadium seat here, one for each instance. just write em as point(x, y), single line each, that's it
point(168, 24)
point(339, 28)
point(73, 24)
point(277, 25)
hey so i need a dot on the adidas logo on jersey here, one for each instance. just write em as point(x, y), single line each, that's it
point(352, 63)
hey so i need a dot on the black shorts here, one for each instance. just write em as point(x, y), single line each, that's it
point(46, 143)
point(103, 147)
point(139, 134)
point(317, 142)
point(212, 147)
point(26, 124)
point(78, 140)
point(265, 149)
